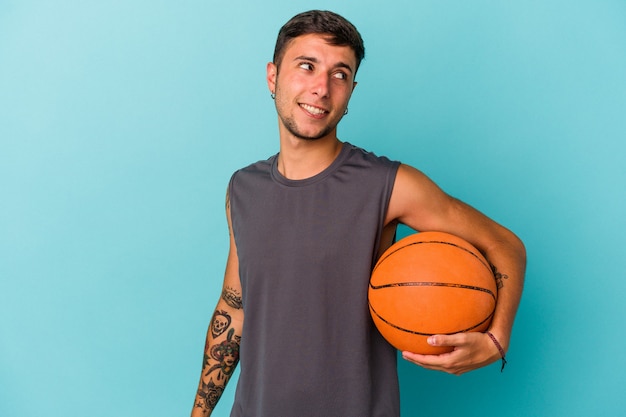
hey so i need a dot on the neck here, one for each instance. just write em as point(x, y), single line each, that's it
point(300, 159)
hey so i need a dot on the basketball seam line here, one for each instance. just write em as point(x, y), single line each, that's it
point(434, 241)
point(433, 284)
point(428, 334)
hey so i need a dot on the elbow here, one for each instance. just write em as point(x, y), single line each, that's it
point(520, 249)
point(517, 249)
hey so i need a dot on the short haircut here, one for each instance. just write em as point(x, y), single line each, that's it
point(339, 32)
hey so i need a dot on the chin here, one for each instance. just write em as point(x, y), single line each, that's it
point(310, 136)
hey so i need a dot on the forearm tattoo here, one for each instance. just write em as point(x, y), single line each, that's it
point(499, 276)
point(223, 357)
point(220, 360)
point(221, 351)
point(232, 298)
point(208, 395)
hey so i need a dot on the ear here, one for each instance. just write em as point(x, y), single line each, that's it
point(271, 76)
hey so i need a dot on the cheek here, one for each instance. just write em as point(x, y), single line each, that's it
point(341, 90)
point(293, 83)
point(342, 97)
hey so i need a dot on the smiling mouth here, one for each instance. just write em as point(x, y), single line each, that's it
point(315, 111)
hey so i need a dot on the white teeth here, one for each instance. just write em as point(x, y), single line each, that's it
point(313, 110)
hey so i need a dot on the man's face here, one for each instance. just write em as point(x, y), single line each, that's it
point(312, 86)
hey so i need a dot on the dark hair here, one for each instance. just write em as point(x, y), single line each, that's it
point(340, 32)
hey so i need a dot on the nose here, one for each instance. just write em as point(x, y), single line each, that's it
point(321, 85)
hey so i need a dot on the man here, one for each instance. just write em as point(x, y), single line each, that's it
point(306, 227)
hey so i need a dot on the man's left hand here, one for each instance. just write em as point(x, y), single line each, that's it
point(471, 351)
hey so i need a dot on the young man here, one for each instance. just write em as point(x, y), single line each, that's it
point(306, 227)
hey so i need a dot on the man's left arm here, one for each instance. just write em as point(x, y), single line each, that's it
point(420, 204)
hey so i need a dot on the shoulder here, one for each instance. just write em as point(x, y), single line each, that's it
point(415, 197)
point(256, 169)
point(368, 159)
point(412, 184)
point(409, 177)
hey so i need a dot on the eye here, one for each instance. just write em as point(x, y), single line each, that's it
point(306, 66)
point(340, 75)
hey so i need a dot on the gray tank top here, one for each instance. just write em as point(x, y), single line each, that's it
point(306, 249)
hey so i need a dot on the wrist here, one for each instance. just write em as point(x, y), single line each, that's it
point(502, 336)
point(500, 348)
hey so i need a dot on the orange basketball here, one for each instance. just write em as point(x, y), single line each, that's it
point(430, 283)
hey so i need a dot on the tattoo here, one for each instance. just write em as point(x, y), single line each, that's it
point(227, 356)
point(232, 298)
point(220, 322)
point(220, 361)
point(210, 393)
point(499, 276)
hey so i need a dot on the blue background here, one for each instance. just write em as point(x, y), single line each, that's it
point(122, 121)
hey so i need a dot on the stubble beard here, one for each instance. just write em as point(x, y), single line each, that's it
point(292, 127)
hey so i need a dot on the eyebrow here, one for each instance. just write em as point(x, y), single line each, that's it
point(315, 61)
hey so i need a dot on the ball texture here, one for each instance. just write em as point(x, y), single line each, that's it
point(431, 283)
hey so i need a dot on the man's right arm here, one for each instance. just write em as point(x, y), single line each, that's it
point(221, 350)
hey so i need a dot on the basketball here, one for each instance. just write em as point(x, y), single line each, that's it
point(430, 283)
